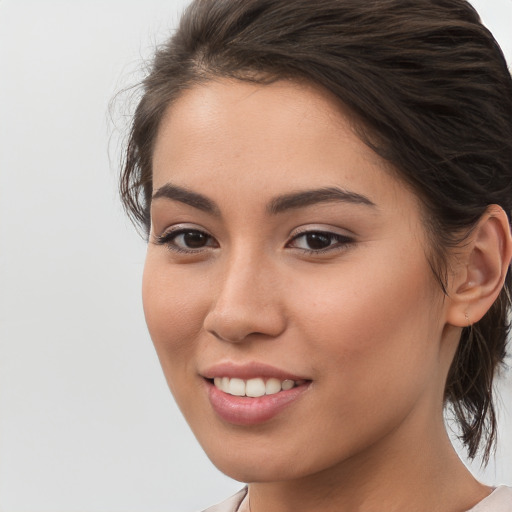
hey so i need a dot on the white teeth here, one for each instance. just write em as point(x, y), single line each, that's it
point(287, 384)
point(236, 387)
point(272, 386)
point(253, 387)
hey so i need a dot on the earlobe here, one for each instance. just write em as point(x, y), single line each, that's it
point(481, 269)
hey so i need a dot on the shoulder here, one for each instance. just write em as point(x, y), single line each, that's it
point(231, 504)
point(500, 500)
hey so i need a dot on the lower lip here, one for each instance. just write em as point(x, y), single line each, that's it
point(242, 410)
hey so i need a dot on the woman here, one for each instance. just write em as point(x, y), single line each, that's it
point(327, 189)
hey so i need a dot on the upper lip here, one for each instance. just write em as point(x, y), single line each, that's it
point(247, 371)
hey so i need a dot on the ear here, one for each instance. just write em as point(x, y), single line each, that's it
point(480, 268)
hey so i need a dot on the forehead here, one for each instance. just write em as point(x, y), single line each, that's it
point(265, 139)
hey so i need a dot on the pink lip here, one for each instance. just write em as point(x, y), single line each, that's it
point(245, 411)
point(248, 371)
point(242, 410)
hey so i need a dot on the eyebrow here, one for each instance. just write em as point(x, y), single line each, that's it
point(305, 198)
point(280, 204)
point(186, 196)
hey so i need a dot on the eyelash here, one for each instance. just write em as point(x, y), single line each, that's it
point(341, 241)
point(169, 240)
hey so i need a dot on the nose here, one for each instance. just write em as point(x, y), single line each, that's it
point(247, 302)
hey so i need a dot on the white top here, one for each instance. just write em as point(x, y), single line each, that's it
point(500, 500)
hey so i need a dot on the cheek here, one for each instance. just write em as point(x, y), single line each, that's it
point(174, 310)
point(370, 336)
point(375, 319)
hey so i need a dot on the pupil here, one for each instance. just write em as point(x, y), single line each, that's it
point(318, 240)
point(194, 240)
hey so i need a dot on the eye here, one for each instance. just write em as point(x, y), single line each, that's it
point(188, 240)
point(319, 241)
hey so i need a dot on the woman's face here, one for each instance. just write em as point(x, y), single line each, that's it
point(287, 262)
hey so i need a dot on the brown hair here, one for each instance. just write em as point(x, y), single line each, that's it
point(431, 89)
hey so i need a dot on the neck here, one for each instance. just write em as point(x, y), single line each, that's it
point(396, 474)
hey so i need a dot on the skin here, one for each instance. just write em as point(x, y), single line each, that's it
point(365, 321)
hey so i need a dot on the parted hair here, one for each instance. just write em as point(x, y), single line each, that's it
point(432, 94)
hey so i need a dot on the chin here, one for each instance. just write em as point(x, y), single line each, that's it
point(265, 465)
point(256, 471)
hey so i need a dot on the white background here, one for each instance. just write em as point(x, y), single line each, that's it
point(86, 421)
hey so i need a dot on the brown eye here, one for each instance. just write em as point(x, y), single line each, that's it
point(194, 239)
point(186, 240)
point(319, 241)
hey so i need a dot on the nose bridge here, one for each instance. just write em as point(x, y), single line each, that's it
point(245, 269)
point(246, 300)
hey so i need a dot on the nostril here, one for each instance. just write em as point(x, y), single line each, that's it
point(238, 324)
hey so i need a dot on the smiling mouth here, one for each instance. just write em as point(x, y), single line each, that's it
point(254, 388)
point(254, 400)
